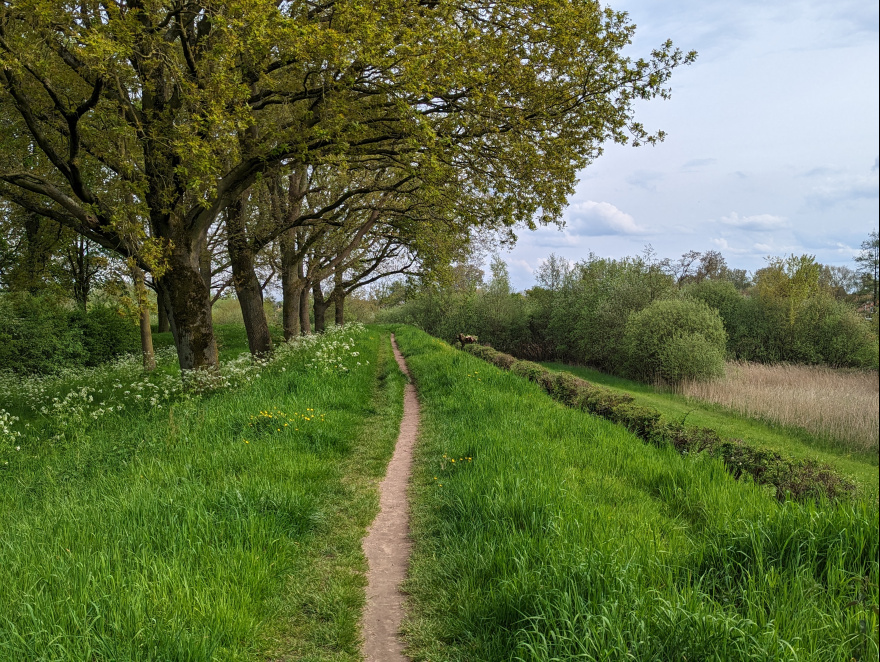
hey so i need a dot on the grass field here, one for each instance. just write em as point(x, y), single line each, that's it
point(838, 405)
point(204, 528)
point(555, 535)
point(861, 465)
point(143, 521)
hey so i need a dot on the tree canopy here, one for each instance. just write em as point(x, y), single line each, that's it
point(137, 123)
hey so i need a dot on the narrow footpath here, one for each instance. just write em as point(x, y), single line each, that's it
point(387, 544)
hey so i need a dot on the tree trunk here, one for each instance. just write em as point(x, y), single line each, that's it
point(338, 296)
point(205, 265)
point(247, 285)
point(188, 303)
point(163, 325)
point(144, 314)
point(339, 303)
point(320, 305)
point(291, 285)
point(305, 325)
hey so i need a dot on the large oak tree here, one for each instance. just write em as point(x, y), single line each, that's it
point(138, 123)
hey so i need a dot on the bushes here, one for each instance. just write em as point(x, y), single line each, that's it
point(790, 478)
point(36, 335)
point(42, 335)
point(675, 339)
point(823, 330)
point(107, 334)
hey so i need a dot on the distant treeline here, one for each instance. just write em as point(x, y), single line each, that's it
point(654, 319)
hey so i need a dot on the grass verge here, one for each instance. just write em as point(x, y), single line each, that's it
point(225, 527)
point(860, 466)
point(787, 476)
point(555, 535)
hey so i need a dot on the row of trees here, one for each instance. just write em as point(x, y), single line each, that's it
point(652, 318)
point(320, 141)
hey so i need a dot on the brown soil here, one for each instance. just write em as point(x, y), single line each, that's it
point(387, 545)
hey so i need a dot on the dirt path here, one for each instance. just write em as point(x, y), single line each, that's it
point(387, 544)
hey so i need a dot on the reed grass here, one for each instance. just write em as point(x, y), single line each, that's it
point(840, 405)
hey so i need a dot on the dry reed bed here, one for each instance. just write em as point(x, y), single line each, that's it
point(838, 404)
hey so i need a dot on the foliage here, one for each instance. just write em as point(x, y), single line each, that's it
point(675, 339)
point(43, 334)
point(108, 333)
point(868, 260)
point(37, 335)
point(138, 129)
point(579, 313)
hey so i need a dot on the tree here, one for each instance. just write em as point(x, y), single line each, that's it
point(868, 260)
point(137, 125)
point(840, 281)
point(552, 272)
point(789, 282)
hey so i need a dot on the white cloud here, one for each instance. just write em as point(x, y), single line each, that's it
point(723, 244)
point(596, 219)
point(757, 223)
point(846, 190)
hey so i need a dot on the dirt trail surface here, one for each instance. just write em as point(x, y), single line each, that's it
point(387, 545)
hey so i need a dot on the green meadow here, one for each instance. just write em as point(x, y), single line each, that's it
point(862, 467)
point(220, 527)
point(555, 535)
point(224, 522)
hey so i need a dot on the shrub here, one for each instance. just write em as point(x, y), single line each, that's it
point(107, 334)
point(675, 339)
point(642, 421)
point(836, 334)
point(691, 357)
point(37, 336)
point(564, 387)
point(529, 370)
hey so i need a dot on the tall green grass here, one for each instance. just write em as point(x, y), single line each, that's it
point(860, 466)
point(556, 535)
point(203, 531)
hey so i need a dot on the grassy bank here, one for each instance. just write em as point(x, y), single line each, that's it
point(223, 526)
point(861, 466)
point(555, 535)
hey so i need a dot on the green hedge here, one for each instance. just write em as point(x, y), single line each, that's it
point(42, 335)
point(791, 478)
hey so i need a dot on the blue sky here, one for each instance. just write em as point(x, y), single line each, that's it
point(772, 144)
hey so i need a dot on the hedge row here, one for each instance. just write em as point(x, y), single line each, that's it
point(792, 478)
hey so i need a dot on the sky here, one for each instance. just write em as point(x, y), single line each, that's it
point(771, 147)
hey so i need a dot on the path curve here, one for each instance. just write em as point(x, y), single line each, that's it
point(387, 545)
